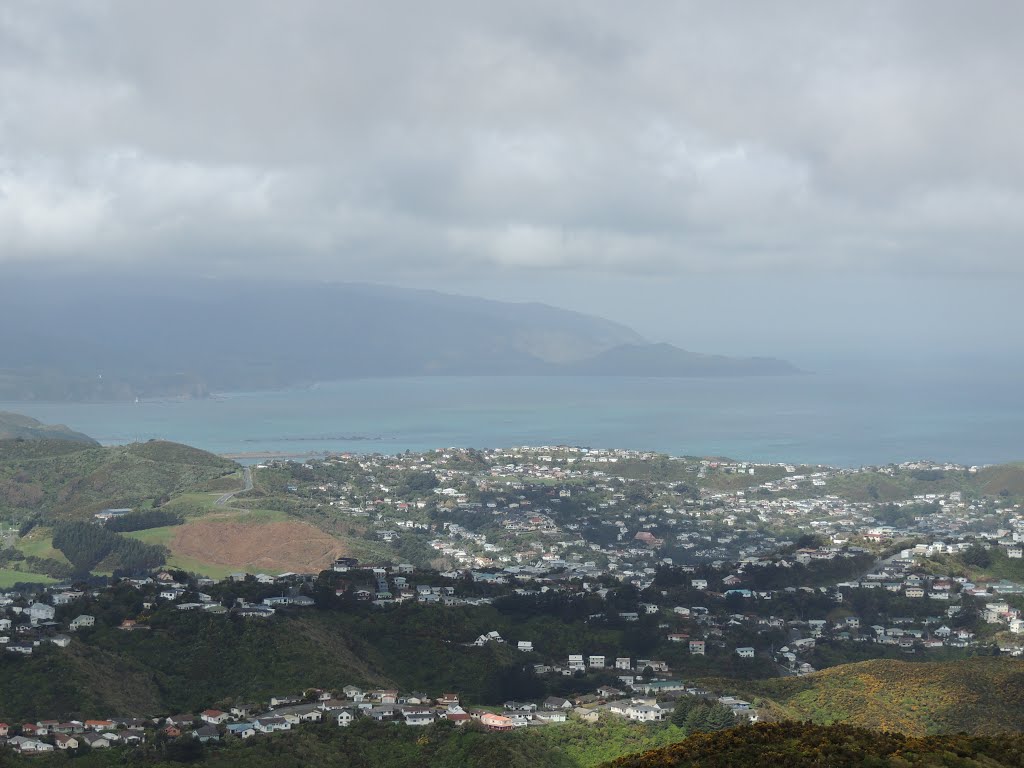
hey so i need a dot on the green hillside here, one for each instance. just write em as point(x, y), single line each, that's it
point(806, 745)
point(1003, 479)
point(59, 479)
point(181, 663)
point(14, 426)
point(980, 695)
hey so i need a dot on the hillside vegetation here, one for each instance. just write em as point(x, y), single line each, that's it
point(980, 695)
point(59, 479)
point(806, 745)
point(14, 426)
point(181, 663)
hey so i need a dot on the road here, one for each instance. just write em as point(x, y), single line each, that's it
point(225, 498)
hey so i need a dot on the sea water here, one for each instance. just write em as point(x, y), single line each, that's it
point(849, 419)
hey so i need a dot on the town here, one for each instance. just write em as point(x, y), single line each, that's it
point(725, 569)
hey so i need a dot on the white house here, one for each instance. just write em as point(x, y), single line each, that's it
point(41, 612)
point(82, 621)
point(645, 714)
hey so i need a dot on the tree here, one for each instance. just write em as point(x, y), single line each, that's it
point(683, 708)
point(977, 555)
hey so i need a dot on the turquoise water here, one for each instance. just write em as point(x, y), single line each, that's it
point(844, 420)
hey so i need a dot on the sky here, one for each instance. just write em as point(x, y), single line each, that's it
point(793, 178)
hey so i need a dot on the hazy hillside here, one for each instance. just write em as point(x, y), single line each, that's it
point(63, 479)
point(980, 695)
point(14, 426)
point(92, 339)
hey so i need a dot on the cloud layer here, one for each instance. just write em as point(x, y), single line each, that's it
point(380, 140)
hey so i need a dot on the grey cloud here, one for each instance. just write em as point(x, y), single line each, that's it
point(375, 140)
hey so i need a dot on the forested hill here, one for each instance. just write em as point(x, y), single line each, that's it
point(61, 479)
point(89, 339)
point(14, 426)
point(805, 745)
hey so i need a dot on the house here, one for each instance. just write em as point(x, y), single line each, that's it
point(624, 662)
point(172, 731)
point(271, 724)
point(4, 730)
point(419, 717)
point(241, 730)
point(745, 653)
point(526, 646)
point(214, 716)
point(27, 745)
point(555, 703)
point(588, 715)
point(82, 622)
point(353, 693)
point(701, 584)
point(697, 647)
point(38, 612)
point(495, 722)
point(61, 641)
point(456, 714)
point(596, 662)
point(552, 717)
point(64, 741)
point(206, 733)
point(344, 718)
point(95, 740)
point(645, 714)
point(576, 662)
point(519, 706)
point(736, 705)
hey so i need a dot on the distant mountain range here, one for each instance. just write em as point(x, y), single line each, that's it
point(97, 338)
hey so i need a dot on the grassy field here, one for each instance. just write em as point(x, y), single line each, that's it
point(8, 578)
point(162, 535)
point(39, 543)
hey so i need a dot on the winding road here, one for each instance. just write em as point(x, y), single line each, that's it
point(225, 498)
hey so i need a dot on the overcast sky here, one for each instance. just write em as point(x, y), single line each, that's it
point(739, 177)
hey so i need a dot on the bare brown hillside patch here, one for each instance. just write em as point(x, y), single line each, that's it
point(279, 546)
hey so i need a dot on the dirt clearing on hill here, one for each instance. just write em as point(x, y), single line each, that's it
point(271, 547)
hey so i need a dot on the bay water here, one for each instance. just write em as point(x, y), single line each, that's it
point(841, 419)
